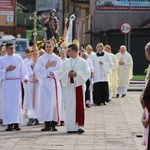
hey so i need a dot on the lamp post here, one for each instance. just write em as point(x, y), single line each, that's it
point(129, 22)
point(15, 16)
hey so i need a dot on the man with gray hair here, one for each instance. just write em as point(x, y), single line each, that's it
point(125, 70)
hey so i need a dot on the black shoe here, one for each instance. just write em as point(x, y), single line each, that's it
point(72, 131)
point(16, 127)
point(105, 103)
point(54, 128)
point(30, 122)
point(123, 95)
point(87, 105)
point(108, 100)
point(36, 122)
point(53, 125)
point(80, 131)
point(46, 129)
point(117, 95)
point(10, 128)
point(62, 123)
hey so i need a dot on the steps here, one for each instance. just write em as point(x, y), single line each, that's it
point(136, 86)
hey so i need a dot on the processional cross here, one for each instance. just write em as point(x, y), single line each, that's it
point(35, 18)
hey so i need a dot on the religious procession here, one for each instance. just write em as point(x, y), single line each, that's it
point(56, 87)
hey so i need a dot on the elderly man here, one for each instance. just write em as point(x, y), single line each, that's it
point(89, 50)
point(125, 70)
point(12, 71)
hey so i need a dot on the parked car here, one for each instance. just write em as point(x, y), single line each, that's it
point(20, 43)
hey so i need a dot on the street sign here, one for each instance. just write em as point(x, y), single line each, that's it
point(125, 27)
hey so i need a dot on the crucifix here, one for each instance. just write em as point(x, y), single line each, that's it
point(35, 18)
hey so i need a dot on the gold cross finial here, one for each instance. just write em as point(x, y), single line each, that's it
point(35, 18)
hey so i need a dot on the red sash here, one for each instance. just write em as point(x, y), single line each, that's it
point(79, 104)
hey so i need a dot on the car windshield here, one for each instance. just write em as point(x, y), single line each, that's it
point(20, 46)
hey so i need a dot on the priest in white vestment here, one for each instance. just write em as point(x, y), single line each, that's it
point(113, 74)
point(125, 70)
point(46, 70)
point(89, 50)
point(102, 63)
point(73, 74)
point(12, 71)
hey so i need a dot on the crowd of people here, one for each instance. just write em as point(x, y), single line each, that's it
point(58, 88)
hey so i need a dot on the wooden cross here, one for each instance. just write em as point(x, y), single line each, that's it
point(35, 18)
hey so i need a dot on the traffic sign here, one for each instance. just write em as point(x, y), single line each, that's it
point(125, 27)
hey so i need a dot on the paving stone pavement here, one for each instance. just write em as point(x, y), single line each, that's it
point(111, 127)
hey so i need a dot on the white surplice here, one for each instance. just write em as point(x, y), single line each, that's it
point(31, 94)
point(11, 88)
point(125, 72)
point(83, 73)
point(101, 71)
point(48, 107)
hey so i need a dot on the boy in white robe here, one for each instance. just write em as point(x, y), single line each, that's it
point(31, 94)
point(73, 74)
point(89, 84)
point(12, 71)
point(46, 70)
point(2, 53)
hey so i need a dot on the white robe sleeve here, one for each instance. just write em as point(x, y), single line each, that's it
point(129, 62)
point(82, 75)
point(29, 69)
point(63, 75)
point(58, 64)
point(40, 69)
point(2, 71)
point(23, 71)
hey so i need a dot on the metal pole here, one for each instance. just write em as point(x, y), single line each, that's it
point(15, 17)
point(129, 22)
point(125, 40)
